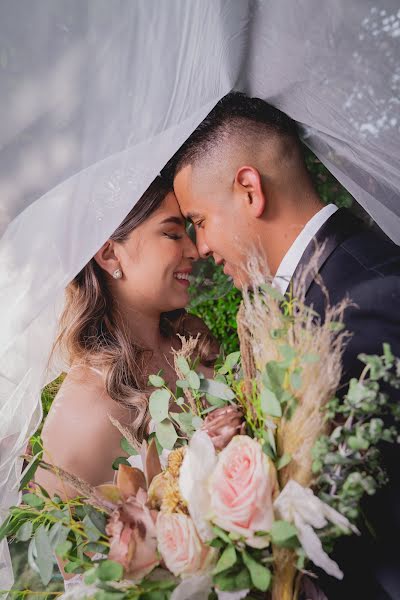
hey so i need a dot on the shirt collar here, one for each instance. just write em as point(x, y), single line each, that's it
point(292, 257)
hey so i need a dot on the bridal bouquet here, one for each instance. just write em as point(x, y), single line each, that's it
point(247, 479)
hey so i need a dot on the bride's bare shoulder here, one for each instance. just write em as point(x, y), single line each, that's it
point(82, 402)
point(77, 434)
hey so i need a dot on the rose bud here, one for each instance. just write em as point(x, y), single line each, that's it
point(222, 424)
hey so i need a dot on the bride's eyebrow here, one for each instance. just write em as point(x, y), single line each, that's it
point(175, 220)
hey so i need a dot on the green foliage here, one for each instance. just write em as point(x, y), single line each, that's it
point(283, 534)
point(328, 188)
point(348, 462)
point(48, 394)
point(216, 301)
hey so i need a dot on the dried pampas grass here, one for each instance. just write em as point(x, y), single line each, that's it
point(302, 329)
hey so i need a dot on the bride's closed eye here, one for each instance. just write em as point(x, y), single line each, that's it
point(173, 236)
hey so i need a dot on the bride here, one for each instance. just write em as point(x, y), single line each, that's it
point(120, 323)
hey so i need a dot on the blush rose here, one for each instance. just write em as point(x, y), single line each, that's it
point(241, 489)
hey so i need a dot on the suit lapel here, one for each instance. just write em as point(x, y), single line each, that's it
point(340, 226)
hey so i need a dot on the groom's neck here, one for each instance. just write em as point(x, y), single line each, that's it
point(282, 225)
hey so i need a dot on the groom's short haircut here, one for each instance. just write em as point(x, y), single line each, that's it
point(236, 116)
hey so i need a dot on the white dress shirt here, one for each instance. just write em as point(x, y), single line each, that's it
point(292, 257)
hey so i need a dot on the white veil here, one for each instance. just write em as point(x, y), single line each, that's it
point(95, 98)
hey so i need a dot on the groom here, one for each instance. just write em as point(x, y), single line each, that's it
point(242, 180)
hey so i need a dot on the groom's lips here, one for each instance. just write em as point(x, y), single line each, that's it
point(226, 270)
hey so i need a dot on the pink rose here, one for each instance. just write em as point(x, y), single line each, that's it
point(182, 550)
point(133, 536)
point(241, 488)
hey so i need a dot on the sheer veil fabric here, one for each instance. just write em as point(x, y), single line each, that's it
point(97, 96)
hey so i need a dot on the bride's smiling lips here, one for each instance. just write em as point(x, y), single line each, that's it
point(183, 276)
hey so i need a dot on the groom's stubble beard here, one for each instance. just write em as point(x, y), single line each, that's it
point(254, 269)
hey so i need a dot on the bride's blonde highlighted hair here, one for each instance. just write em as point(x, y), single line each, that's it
point(93, 331)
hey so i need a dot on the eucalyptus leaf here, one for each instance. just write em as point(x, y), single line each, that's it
point(357, 443)
point(37, 446)
point(271, 439)
point(273, 376)
point(90, 576)
point(166, 434)
point(243, 580)
point(30, 471)
point(44, 558)
point(184, 421)
point(121, 460)
point(98, 519)
point(295, 380)
point(33, 500)
point(230, 362)
point(260, 575)
point(73, 567)
point(91, 530)
point(197, 422)
point(182, 383)
point(288, 354)
point(221, 534)
point(25, 531)
point(270, 404)
point(216, 389)
point(156, 381)
point(159, 405)
point(95, 547)
point(193, 380)
point(58, 534)
point(215, 402)
point(109, 570)
point(282, 533)
point(183, 365)
point(226, 582)
point(227, 559)
point(63, 549)
point(283, 461)
point(126, 447)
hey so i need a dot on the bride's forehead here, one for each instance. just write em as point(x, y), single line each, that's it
point(168, 208)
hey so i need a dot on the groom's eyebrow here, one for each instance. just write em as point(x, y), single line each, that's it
point(175, 220)
point(192, 216)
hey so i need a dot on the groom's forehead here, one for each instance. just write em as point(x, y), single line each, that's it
point(193, 190)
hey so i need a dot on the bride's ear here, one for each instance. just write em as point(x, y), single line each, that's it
point(248, 184)
point(106, 257)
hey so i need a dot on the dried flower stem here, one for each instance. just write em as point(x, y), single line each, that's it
point(186, 351)
point(82, 487)
point(126, 433)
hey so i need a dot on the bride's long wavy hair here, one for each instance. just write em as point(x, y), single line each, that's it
point(93, 331)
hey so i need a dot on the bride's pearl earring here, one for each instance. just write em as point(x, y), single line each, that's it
point(117, 274)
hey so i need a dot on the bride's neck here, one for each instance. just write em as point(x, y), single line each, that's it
point(144, 328)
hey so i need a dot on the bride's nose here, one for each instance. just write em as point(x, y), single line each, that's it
point(190, 250)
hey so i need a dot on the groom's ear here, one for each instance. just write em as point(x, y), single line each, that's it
point(248, 185)
point(106, 257)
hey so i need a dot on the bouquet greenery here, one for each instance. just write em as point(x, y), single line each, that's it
point(246, 480)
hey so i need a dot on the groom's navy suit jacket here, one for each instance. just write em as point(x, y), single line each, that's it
point(364, 265)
